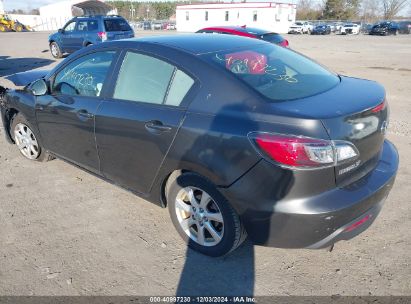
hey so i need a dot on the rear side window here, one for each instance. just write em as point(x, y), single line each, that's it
point(147, 79)
point(87, 25)
point(179, 87)
point(84, 76)
point(116, 25)
point(277, 73)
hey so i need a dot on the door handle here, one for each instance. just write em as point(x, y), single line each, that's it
point(84, 114)
point(156, 126)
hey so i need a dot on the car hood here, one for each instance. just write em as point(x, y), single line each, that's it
point(25, 78)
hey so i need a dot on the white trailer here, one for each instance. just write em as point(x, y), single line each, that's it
point(272, 16)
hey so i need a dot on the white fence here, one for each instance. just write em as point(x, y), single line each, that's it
point(39, 23)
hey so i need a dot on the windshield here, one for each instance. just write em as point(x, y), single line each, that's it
point(275, 72)
point(298, 23)
point(116, 25)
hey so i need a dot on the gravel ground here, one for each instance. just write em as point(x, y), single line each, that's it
point(65, 232)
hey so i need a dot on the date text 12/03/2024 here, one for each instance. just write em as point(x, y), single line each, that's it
point(200, 299)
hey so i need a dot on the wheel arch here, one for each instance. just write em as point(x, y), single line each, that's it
point(172, 176)
point(9, 114)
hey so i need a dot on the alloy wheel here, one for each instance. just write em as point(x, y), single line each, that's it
point(54, 50)
point(199, 216)
point(26, 141)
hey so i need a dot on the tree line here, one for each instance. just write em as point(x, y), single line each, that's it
point(138, 11)
point(368, 10)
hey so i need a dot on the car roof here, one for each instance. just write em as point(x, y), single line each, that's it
point(198, 44)
point(247, 30)
point(98, 16)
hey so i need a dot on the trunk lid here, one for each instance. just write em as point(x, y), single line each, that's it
point(351, 112)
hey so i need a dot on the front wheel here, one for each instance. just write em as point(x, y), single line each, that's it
point(203, 217)
point(26, 140)
point(55, 50)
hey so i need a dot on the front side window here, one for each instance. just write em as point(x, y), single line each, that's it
point(84, 76)
point(147, 79)
point(70, 27)
point(275, 72)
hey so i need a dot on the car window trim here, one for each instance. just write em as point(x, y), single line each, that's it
point(69, 22)
point(116, 71)
point(78, 22)
point(51, 79)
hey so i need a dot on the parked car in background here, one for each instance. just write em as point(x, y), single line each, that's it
point(250, 32)
point(157, 25)
point(332, 26)
point(84, 31)
point(322, 29)
point(147, 26)
point(404, 27)
point(338, 26)
point(350, 28)
point(235, 136)
point(301, 27)
point(169, 26)
point(366, 28)
point(385, 28)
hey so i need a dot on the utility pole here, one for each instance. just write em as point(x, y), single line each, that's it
point(132, 10)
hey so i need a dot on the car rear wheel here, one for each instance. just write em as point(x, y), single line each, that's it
point(203, 217)
point(26, 140)
point(55, 50)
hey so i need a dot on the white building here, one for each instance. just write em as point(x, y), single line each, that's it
point(1, 7)
point(272, 16)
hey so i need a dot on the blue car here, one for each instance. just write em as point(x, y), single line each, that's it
point(84, 31)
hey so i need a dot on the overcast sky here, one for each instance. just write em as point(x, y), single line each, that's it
point(25, 4)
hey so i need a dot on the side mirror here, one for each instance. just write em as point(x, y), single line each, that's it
point(61, 31)
point(39, 87)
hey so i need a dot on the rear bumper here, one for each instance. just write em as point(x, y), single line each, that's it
point(317, 221)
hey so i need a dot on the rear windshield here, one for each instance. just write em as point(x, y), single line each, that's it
point(272, 37)
point(116, 25)
point(275, 72)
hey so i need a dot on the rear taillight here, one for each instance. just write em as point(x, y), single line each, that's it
point(284, 43)
point(379, 108)
point(358, 223)
point(102, 36)
point(302, 152)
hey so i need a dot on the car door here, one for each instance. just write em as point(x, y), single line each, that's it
point(135, 128)
point(80, 33)
point(65, 117)
point(67, 42)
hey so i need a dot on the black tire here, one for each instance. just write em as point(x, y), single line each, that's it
point(43, 155)
point(234, 232)
point(56, 53)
